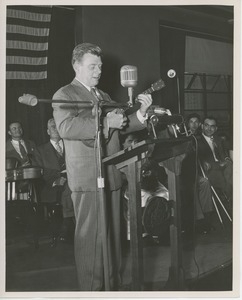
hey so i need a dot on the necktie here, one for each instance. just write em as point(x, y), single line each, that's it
point(214, 149)
point(96, 93)
point(24, 154)
point(22, 150)
point(58, 148)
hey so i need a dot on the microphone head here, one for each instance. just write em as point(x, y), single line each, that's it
point(28, 99)
point(171, 73)
point(128, 76)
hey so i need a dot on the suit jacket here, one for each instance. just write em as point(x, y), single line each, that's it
point(205, 153)
point(77, 127)
point(11, 152)
point(46, 157)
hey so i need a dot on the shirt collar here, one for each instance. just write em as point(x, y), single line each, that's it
point(207, 138)
point(87, 87)
point(17, 142)
point(54, 143)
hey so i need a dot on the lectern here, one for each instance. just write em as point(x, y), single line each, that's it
point(169, 153)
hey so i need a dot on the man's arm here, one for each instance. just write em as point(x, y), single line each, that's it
point(71, 122)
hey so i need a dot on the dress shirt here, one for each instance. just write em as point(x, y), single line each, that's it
point(54, 144)
point(211, 145)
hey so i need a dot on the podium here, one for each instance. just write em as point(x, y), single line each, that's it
point(170, 154)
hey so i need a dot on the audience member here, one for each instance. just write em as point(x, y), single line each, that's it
point(21, 152)
point(214, 157)
point(19, 148)
point(203, 205)
point(55, 192)
point(194, 124)
point(77, 127)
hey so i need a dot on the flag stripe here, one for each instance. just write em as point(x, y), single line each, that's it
point(25, 15)
point(27, 23)
point(27, 30)
point(27, 68)
point(27, 41)
point(27, 38)
point(17, 52)
point(26, 75)
point(27, 45)
point(23, 60)
point(44, 9)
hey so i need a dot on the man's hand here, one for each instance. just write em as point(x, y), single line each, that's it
point(116, 119)
point(146, 101)
point(60, 181)
point(206, 166)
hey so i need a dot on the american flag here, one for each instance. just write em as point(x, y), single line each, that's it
point(27, 34)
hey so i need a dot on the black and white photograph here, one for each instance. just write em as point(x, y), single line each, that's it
point(121, 132)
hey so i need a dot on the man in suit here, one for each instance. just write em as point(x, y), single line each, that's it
point(22, 151)
point(203, 205)
point(55, 192)
point(77, 127)
point(214, 157)
point(19, 148)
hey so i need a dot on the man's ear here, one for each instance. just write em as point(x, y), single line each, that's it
point(9, 132)
point(48, 131)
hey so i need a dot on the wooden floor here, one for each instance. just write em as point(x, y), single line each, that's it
point(53, 269)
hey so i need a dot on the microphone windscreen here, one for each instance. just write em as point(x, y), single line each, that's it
point(128, 76)
point(28, 99)
point(171, 73)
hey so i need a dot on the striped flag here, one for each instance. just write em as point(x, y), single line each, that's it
point(27, 42)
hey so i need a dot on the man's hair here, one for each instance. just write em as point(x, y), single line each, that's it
point(193, 115)
point(50, 121)
point(12, 122)
point(84, 48)
point(210, 118)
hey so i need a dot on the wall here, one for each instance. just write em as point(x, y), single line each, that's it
point(130, 35)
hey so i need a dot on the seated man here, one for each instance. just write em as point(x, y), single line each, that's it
point(214, 157)
point(19, 148)
point(194, 124)
point(204, 205)
point(55, 192)
point(20, 154)
point(20, 151)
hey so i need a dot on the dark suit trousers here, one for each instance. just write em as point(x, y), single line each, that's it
point(222, 177)
point(88, 239)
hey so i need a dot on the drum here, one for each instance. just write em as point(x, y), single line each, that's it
point(23, 173)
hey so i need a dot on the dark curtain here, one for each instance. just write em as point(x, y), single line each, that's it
point(172, 56)
point(61, 44)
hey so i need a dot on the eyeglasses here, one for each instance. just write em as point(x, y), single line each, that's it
point(210, 126)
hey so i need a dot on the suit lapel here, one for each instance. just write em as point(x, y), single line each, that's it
point(53, 154)
point(11, 152)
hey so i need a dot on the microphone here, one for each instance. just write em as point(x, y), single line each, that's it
point(166, 119)
point(28, 99)
point(171, 73)
point(129, 78)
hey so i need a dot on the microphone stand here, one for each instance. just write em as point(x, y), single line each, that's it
point(102, 198)
point(130, 94)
